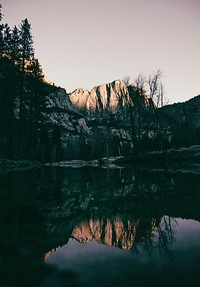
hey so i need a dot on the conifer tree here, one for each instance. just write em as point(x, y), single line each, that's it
point(37, 94)
point(36, 70)
point(15, 45)
point(7, 40)
point(26, 40)
point(26, 52)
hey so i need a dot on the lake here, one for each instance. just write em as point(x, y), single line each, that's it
point(92, 226)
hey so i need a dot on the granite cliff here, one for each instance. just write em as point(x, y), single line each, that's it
point(107, 122)
point(113, 231)
point(107, 96)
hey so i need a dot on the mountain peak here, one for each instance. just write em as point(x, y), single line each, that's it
point(106, 96)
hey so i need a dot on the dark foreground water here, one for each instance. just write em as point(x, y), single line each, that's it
point(99, 227)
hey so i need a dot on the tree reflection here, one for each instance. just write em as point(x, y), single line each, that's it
point(160, 239)
point(124, 208)
point(127, 232)
point(166, 235)
point(148, 233)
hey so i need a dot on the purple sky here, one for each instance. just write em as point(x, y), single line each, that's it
point(84, 43)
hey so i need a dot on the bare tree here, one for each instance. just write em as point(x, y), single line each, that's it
point(127, 80)
point(140, 82)
point(146, 96)
point(155, 100)
point(153, 82)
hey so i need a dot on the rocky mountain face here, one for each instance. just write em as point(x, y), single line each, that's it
point(110, 231)
point(86, 122)
point(107, 122)
point(115, 95)
point(66, 127)
point(108, 96)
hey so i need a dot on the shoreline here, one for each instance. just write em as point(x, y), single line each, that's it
point(183, 159)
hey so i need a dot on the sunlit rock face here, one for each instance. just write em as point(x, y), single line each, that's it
point(106, 231)
point(107, 96)
point(82, 233)
point(79, 98)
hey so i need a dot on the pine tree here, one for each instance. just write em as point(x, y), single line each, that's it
point(7, 40)
point(26, 52)
point(37, 99)
point(15, 45)
point(26, 40)
point(7, 76)
point(36, 71)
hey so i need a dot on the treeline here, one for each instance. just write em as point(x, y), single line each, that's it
point(22, 93)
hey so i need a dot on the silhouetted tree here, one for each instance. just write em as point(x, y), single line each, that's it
point(8, 84)
point(140, 104)
point(36, 70)
point(7, 39)
point(136, 109)
point(15, 46)
point(146, 96)
point(35, 80)
point(26, 51)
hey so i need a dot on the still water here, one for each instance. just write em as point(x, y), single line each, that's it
point(99, 227)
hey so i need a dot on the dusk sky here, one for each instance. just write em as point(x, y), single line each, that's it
point(84, 43)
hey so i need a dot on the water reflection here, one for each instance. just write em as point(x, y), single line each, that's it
point(121, 216)
point(93, 261)
point(127, 234)
point(112, 232)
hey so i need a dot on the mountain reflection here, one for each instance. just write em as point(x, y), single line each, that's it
point(113, 231)
point(110, 232)
point(127, 208)
point(126, 232)
point(124, 208)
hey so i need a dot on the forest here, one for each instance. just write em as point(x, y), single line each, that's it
point(22, 92)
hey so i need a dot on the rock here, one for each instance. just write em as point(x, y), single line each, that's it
point(107, 96)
